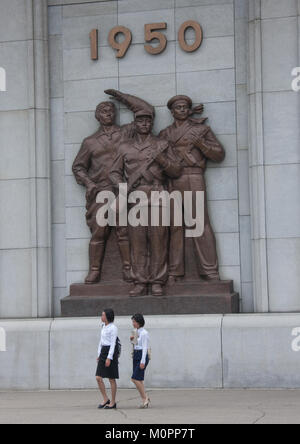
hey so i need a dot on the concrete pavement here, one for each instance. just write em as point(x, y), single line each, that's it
point(168, 407)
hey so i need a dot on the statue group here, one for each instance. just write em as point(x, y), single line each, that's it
point(153, 257)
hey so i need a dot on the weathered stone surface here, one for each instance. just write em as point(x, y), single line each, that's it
point(258, 351)
point(74, 351)
point(244, 351)
point(181, 299)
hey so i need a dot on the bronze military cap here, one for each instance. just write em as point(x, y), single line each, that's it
point(177, 98)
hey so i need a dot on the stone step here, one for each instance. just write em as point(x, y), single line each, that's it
point(80, 305)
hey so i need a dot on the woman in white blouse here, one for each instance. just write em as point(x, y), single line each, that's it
point(140, 357)
point(108, 359)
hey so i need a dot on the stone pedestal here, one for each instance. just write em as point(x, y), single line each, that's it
point(182, 298)
point(236, 351)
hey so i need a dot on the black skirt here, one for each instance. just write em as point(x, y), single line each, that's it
point(138, 373)
point(111, 372)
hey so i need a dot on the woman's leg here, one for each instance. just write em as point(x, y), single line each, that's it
point(141, 389)
point(113, 385)
point(102, 388)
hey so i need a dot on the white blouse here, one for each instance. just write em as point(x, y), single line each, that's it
point(109, 336)
point(143, 343)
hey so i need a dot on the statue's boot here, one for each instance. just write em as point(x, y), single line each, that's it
point(97, 250)
point(172, 280)
point(157, 290)
point(213, 277)
point(139, 290)
point(125, 256)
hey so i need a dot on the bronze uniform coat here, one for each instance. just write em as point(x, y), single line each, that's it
point(149, 245)
point(194, 157)
point(94, 161)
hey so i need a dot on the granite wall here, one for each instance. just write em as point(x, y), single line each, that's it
point(242, 73)
point(216, 75)
point(25, 219)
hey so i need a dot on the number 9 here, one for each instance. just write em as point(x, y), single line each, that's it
point(123, 47)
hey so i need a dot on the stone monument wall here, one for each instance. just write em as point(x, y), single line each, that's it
point(217, 72)
point(40, 227)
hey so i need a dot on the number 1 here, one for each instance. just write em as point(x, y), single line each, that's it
point(94, 44)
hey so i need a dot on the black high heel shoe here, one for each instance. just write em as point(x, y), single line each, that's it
point(102, 406)
point(110, 408)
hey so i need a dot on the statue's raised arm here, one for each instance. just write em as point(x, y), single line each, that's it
point(135, 104)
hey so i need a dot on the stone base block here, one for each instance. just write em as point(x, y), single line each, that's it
point(261, 351)
point(25, 363)
point(205, 351)
point(74, 344)
point(182, 298)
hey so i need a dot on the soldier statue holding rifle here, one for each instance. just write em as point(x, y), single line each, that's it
point(194, 143)
point(145, 162)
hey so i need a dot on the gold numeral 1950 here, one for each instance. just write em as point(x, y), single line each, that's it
point(153, 34)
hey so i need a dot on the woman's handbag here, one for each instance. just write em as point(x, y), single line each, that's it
point(134, 341)
point(118, 347)
point(134, 334)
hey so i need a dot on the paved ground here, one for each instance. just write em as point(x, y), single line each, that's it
point(168, 407)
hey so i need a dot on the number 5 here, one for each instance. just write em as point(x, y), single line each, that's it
point(151, 35)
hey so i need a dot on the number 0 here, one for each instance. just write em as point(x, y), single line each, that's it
point(199, 36)
point(122, 47)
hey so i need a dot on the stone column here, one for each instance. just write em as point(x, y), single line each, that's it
point(25, 234)
point(274, 154)
point(241, 36)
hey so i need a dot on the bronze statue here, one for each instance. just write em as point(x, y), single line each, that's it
point(91, 169)
point(146, 162)
point(194, 143)
point(152, 255)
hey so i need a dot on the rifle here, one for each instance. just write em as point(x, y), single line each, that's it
point(143, 171)
point(185, 152)
point(137, 175)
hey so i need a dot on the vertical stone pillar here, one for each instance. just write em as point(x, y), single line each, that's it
point(25, 224)
point(241, 36)
point(274, 154)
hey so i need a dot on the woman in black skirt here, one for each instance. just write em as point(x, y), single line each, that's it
point(140, 357)
point(108, 359)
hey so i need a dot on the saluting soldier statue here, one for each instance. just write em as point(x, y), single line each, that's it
point(145, 162)
point(194, 143)
point(91, 169)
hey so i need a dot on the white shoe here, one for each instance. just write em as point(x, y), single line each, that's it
point(146, 404)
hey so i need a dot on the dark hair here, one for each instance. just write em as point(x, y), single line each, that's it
point(139, 318)
point(104, 104)
point(110, 315)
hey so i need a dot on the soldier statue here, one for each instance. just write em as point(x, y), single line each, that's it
point(194, 143)
point(91, 169)
point(146, 162)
